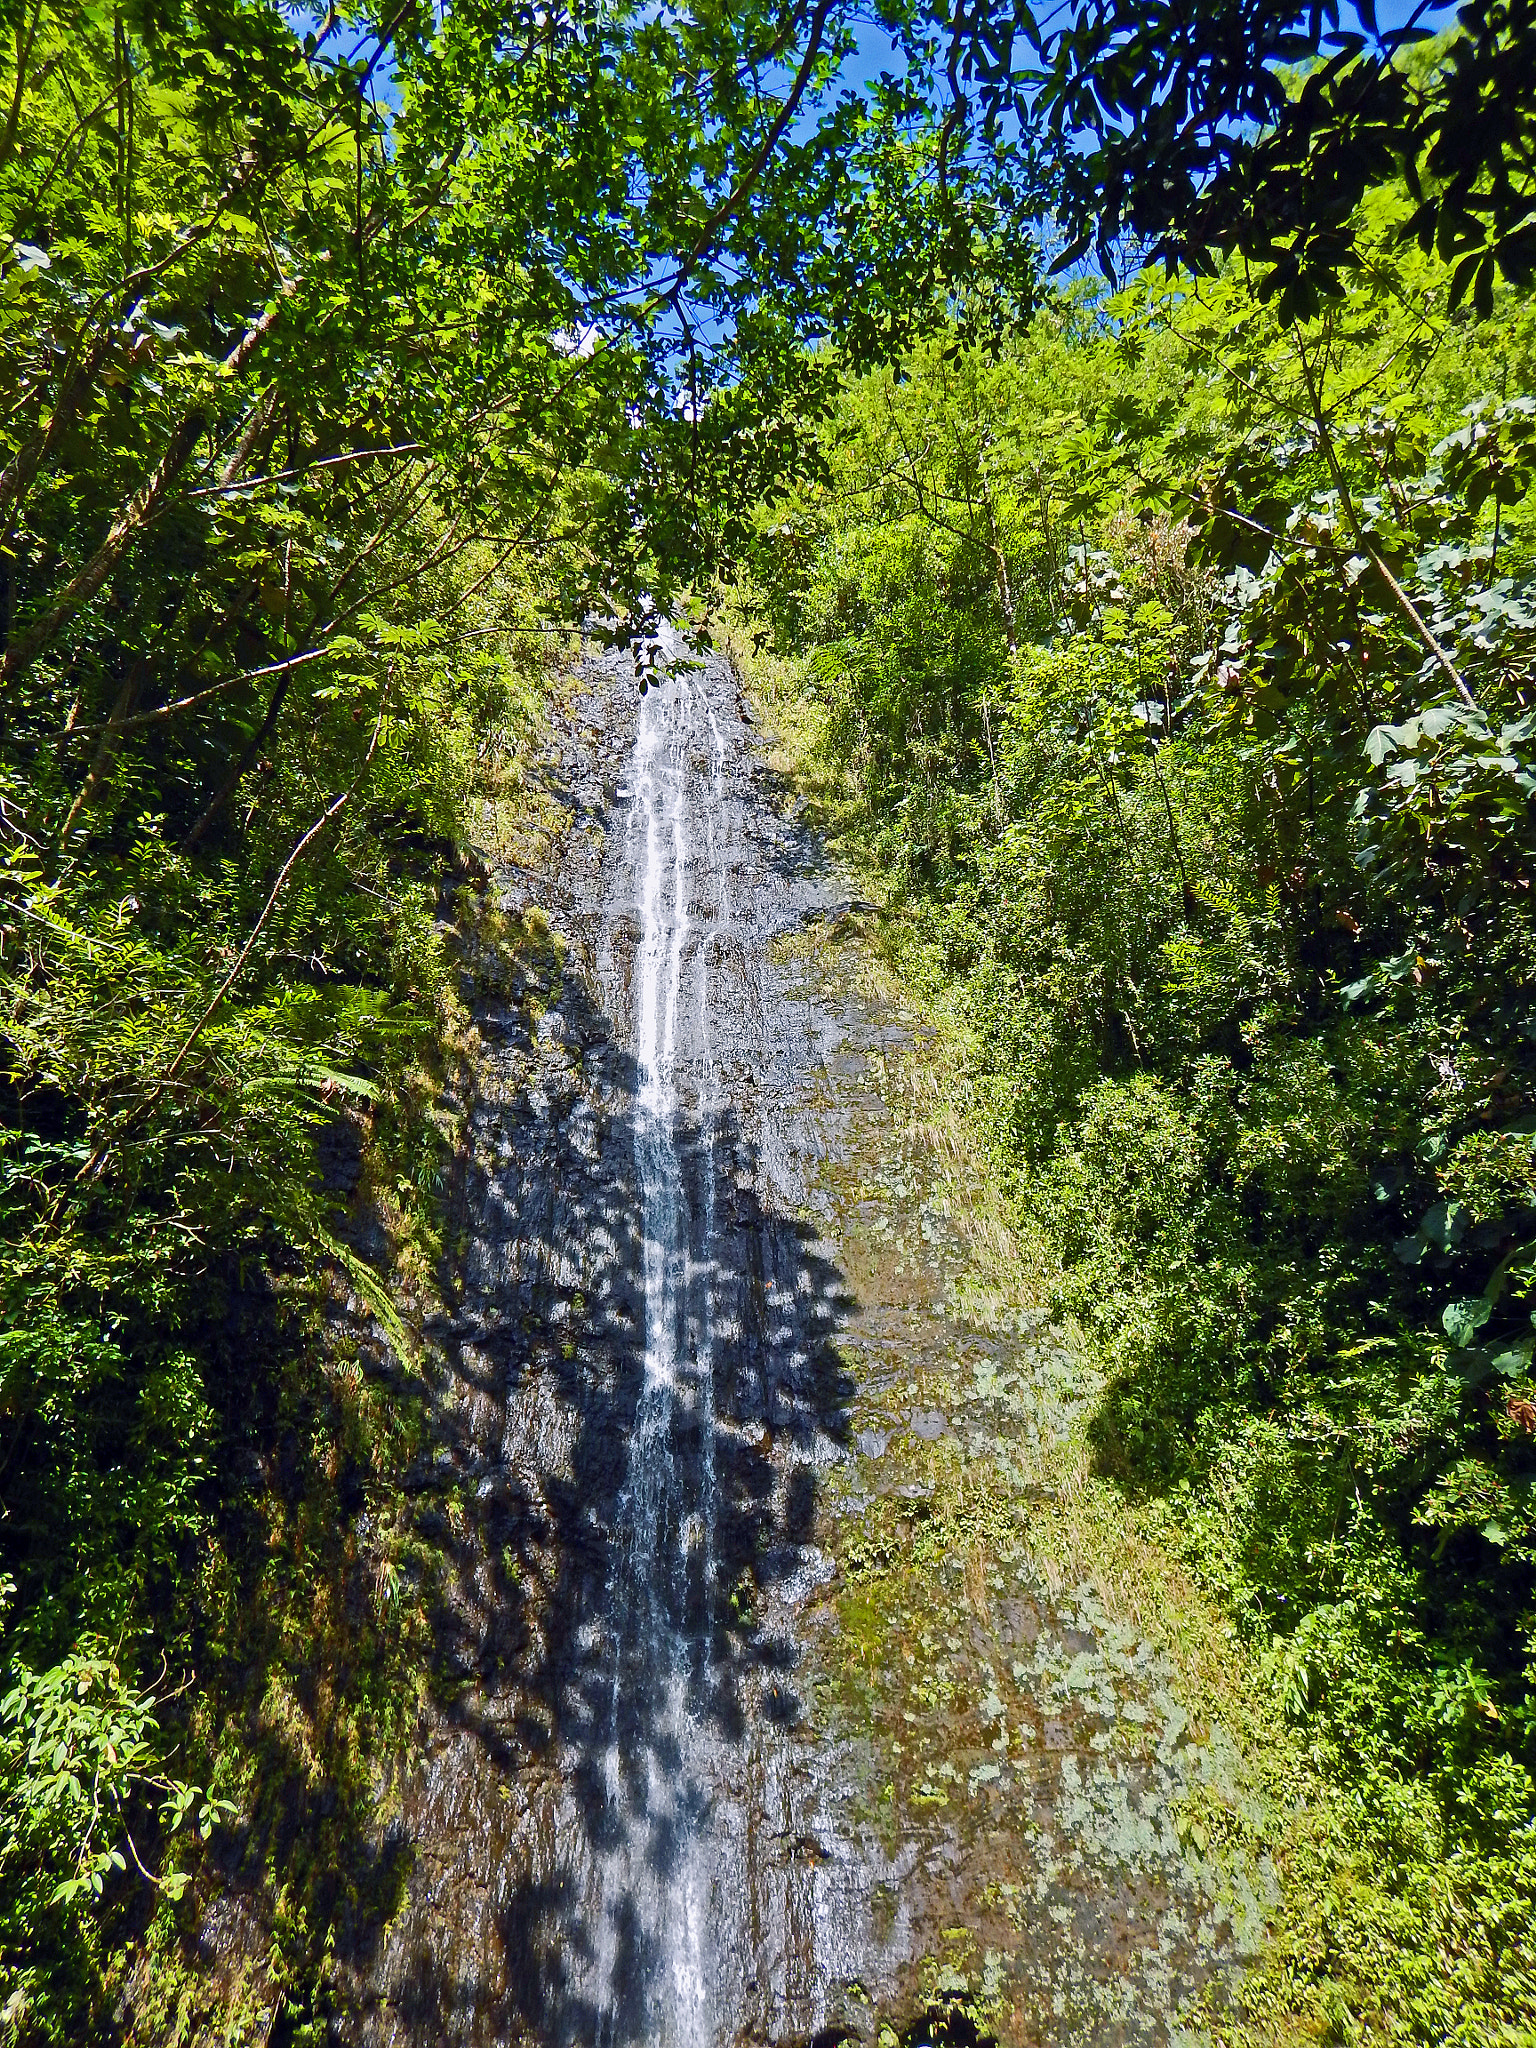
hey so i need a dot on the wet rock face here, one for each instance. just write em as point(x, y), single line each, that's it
point(694, 1362)
point(639, 1395)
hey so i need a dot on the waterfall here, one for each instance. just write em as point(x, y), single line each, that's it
point(655, 1968)
point(662, 1808)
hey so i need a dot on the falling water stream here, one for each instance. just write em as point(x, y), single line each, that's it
point(654, 1894)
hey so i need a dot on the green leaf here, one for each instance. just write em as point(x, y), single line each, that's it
point(1463, 1319)
point(1513, 1362)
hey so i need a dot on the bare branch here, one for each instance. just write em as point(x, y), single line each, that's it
point(282, 476)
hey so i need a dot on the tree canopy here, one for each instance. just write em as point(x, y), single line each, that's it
point(1181, 133)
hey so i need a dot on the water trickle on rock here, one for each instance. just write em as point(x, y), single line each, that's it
point(654, 1962)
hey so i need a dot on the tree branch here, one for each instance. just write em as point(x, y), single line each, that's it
point(282, 476)
point(743, 186)
point(135, 515)
point(331, 811)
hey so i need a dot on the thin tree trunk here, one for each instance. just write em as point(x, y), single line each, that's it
point(255, 427)
point(23, 466)
point(26, 36)
point(106, 748)
point(1190, 898)
point(135, 515)
point(97, 1162)
point(237, 774)
point(1004, 586)
point(1405, 603)
point(331, 811)
point(1006, 593)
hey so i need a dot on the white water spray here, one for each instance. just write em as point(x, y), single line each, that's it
point(654, 1961)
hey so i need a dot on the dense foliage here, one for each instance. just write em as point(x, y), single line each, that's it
point(348, 364)
point(1177, 663)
